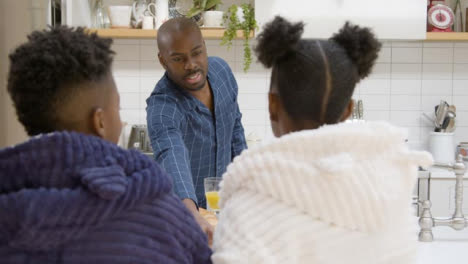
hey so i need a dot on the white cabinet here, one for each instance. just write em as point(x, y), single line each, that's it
point(395, 19)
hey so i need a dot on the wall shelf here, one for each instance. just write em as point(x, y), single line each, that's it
point(217, 33)
point(446, 36)
point(208, 33)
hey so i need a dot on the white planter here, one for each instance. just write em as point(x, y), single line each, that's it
point(213, 18)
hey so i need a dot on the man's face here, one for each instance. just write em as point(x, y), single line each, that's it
point(183, 55)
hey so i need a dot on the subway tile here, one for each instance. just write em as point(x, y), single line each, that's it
point(125, 42)
point(460, 87)
point(396, 92)
point(405, 103)
point(253, 85)
point(147, 84)
point(376, 115)
point(437, 71)
point(408, 87)
point(385, 55)
point(462, 118)
point(129, 100)
point(406, 71)
point(128, 84)
point(407, 44)
point(425, 131)
point(461, 102)
point(429, 120)
point(142, 101)
point(149, 42)
point(221, 51)
point(375, 102)
point(148, 53)
point(461, 135)
point(142, 114)
point(417, 145)
point(126, 52)
point(374, 86)
point(151, 69)
point(386, 43)
point(381, 71)
point(213, 42)
point(252, 131)
point(437, 87)
point(405, 118)
point(130, 116)
point(268, 133)
point(406, 55)
point(126, 68)
point(461, 55)
point(256, 70)
point(413, 133)
point(254, 117)
point(437, 55)
point(460, 71)
point(428, 102)
point(438, 44)
point(252, 101)
point(461, 44)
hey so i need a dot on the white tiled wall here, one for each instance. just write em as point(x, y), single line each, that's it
point(408, 79)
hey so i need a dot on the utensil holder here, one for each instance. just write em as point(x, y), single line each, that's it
point(442, 147)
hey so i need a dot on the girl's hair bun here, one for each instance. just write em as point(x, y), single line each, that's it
point(277, 39)
point(361, 46)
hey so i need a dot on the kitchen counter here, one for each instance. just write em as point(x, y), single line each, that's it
point(449, 246)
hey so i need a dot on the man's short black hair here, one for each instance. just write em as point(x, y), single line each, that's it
point(47, 70)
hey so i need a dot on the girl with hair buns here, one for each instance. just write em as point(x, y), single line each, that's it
point(324, 191)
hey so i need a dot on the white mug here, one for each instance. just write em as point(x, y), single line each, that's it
point(162, 11)
point(148, 22)
point(120, 16)
point(442, 147)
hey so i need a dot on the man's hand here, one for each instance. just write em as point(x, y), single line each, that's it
point(205, 226)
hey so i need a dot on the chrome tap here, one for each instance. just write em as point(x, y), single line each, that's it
point(458, 220)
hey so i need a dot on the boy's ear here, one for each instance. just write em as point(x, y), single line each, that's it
point(161, 60)
point(273, 106)
point(98, 123)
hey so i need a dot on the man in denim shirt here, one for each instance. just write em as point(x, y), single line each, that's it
point(193, 118)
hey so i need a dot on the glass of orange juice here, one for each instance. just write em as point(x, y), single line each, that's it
point(212, 193)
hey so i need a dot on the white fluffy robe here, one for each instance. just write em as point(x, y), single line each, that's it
point(339, 194)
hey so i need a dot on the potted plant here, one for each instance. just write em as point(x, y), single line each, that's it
point(240, 18)
point(207, 8)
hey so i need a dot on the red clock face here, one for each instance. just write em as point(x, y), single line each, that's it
point(440, 16)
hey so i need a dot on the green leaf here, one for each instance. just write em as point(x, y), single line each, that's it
point(211, 4)
point(193, 12)
point(247, 26)
point(203, 5)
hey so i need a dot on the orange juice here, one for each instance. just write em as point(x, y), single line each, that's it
point(212, 199)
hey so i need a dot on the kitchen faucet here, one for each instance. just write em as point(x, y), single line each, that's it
point(458, 220)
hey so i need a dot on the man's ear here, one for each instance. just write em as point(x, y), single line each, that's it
point(161, 61)
point(348, 110)
point(273, 104)
point(98, 123)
